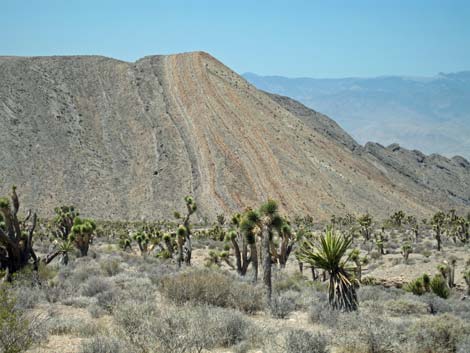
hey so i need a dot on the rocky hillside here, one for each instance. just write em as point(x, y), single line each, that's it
point(130, 140)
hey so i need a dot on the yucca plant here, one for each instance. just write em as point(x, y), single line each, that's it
point(329, 253)
point(439, 286)
point(420, 285)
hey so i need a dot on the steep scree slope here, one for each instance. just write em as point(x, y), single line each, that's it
point(130, 140)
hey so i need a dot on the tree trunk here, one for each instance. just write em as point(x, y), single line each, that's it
point(238, 259)
point(180, 251)
point(267, 263)
point(189, 249)
point(314, 275)
point(254, 261)
point(245, 261)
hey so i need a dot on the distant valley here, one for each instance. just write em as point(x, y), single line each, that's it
point(430, 114)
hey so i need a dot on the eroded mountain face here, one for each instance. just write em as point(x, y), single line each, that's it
point(129, 140)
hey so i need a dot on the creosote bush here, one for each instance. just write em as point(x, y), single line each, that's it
point(207, 286)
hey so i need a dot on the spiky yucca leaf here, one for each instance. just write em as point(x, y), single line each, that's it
point(329, 253)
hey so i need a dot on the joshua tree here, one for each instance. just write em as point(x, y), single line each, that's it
point(82, 234)
point(329, 254)
point(365, 222)
point(184, 232)
point(287, 241)
point(240, 243)
point(380, 241)
point(406, 250)
point(437, 223)
point(63, 220)
point(70, 229)
point(463, 229)
point(270, 221)
point(250, 229)
point(356, 258)
point(16, 239)
point(398, 217)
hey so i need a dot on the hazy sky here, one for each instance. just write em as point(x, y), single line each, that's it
point(290, 38)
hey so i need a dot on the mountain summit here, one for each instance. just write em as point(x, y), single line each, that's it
point(129, 140)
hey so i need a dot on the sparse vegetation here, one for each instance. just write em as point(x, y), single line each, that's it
point(132, 294)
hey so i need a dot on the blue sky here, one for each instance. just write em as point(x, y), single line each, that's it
point(290, 38)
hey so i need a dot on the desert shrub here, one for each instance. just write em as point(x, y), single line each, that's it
point(300, 341)
point(212, 287)
point(319, 313)
point(461, 308)
point(405, 307)
point(371, 334)
point(79, 302)
point(439, 334)
point(17, 331)
point(196, 328)
point(63, 326)
point(96, 311)
point(95, 285)
point(464, 345)
point(84, 268)
point(281, 306)
point(110, 267)
point(435, 304)
point(285, 282)
point(378, 293)
point(27, 296)
point(102, 344)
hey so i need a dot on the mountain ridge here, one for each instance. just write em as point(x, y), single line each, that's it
point(129, 140)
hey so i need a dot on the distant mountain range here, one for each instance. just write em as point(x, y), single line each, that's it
point(431, 114)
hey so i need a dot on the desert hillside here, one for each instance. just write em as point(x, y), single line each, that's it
point(129, 140)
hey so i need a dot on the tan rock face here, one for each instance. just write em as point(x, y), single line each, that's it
point(130, 140)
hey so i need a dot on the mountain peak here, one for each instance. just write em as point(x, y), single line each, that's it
point(129, 140)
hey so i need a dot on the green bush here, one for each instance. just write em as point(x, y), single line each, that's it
point(439, 286)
